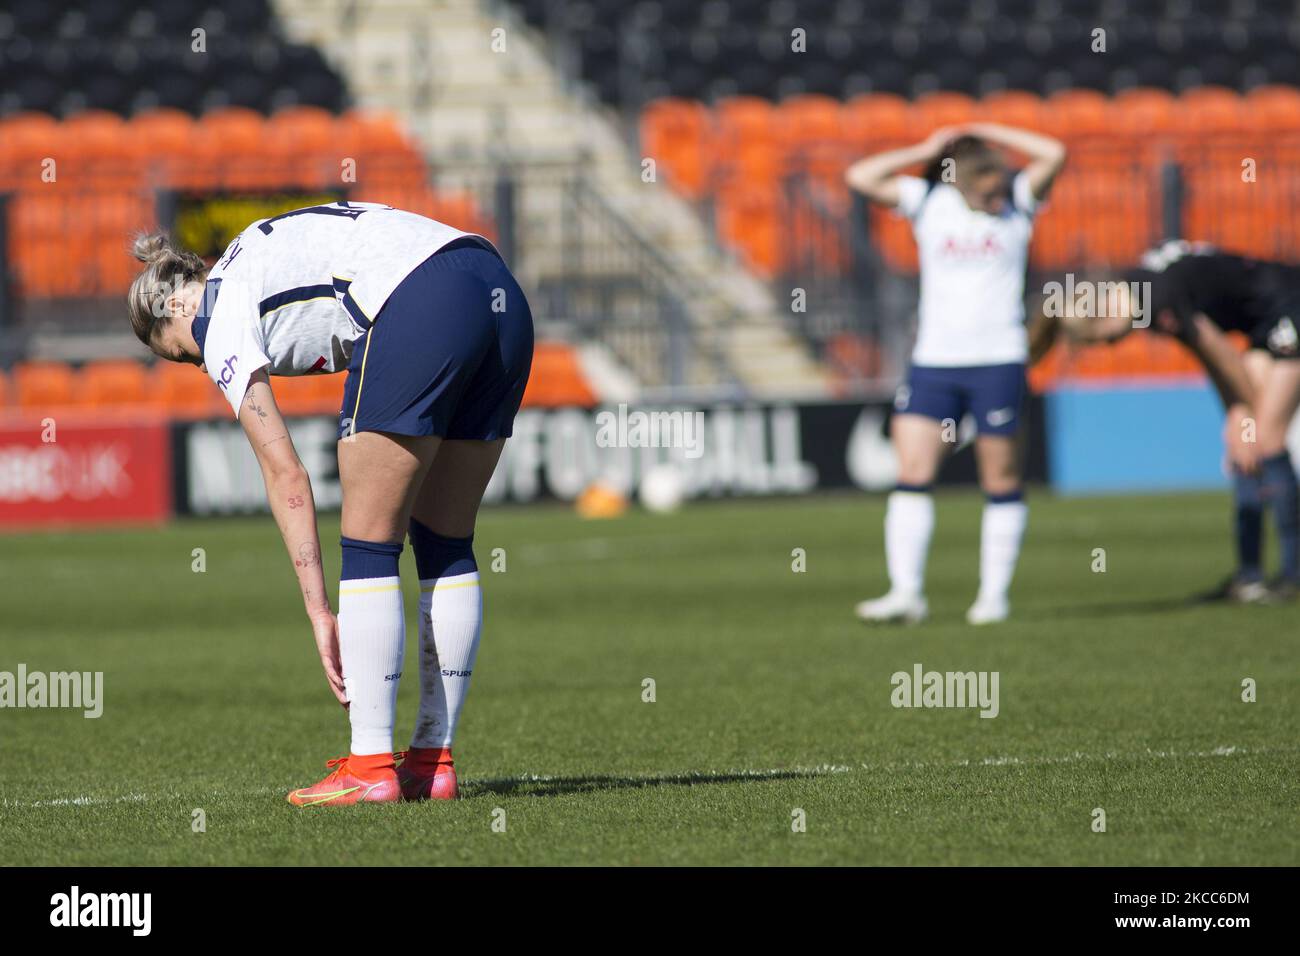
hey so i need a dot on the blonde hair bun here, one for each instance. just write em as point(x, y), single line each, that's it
point(152, 247)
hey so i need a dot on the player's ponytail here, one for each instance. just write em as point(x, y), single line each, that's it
point(166, 269)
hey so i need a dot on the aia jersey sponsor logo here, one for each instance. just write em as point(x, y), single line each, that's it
point(983, 247)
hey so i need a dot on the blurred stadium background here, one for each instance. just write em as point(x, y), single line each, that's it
point(665, 177)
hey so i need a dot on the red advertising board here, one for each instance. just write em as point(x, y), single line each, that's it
point(79, 472)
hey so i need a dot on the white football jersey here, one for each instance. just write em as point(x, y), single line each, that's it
point(972, 309)
point(293, 292)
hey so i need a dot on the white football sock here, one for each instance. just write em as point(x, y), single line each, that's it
point(372, 640)
point(909, 524)
point(1001, 531)
point(451, 621)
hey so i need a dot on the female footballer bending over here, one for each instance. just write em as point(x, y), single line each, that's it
point(437, 340)
point(1199, 294)
point(972, 222)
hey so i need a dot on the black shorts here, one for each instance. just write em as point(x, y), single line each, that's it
point(448, 354)
point(1280, 337)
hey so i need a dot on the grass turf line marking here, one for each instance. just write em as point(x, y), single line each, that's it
point(708, 776)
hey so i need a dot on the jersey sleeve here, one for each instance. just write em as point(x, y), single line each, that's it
point(1022, 194)
point(911, 196)
point(233, 348)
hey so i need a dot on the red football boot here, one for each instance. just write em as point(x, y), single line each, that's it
point(427, 774)
point(354, 780)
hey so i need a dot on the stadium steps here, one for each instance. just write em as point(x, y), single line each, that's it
point(414, 57)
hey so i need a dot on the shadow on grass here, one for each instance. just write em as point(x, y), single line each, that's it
point(563, 786)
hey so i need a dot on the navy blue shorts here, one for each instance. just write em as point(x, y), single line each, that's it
point(447, 355)
point(992, 393)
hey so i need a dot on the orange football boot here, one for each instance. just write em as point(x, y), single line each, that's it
point(346, 785)
point(427, 774)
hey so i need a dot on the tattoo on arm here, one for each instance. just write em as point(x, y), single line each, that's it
point(252, 404)
point(308, 557)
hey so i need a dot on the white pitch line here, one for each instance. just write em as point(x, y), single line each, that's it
point(705, 776)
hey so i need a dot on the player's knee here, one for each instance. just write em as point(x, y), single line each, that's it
point(1003, 490)
point(999, 477)
point(916, 471)
point(438, 555)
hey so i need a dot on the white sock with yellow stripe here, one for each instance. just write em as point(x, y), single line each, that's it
point(372, 639)
point(451, 622)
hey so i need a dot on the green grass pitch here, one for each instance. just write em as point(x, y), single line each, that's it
point(770, 698)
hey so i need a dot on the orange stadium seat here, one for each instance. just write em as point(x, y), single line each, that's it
point(309, 394)
point(42, 214)
point(747, 142)
point(934, 110)
point(1274, 108)
point(38, 385)
point(1141, 355)
point(381, 150)
point(557, 378)
point(26, 139)
point(236, 140)
point(813, 130)
point(115, 218)
point(306, 145)
point(746, 119)
point(1145, 110)
point(184, 391)
point(460, 210)
point(748, 221)
point(167, 141)
point(677, 134)
point(876, 121)
point(112, 382)
point(758, 164)
point(1012, 107)
point(359, 130)
point(70, 238)
point(893, 238)
point(1212, 109)
point(98, 152)
point(1076, 113)
point(854, 356)
point(811, 117)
